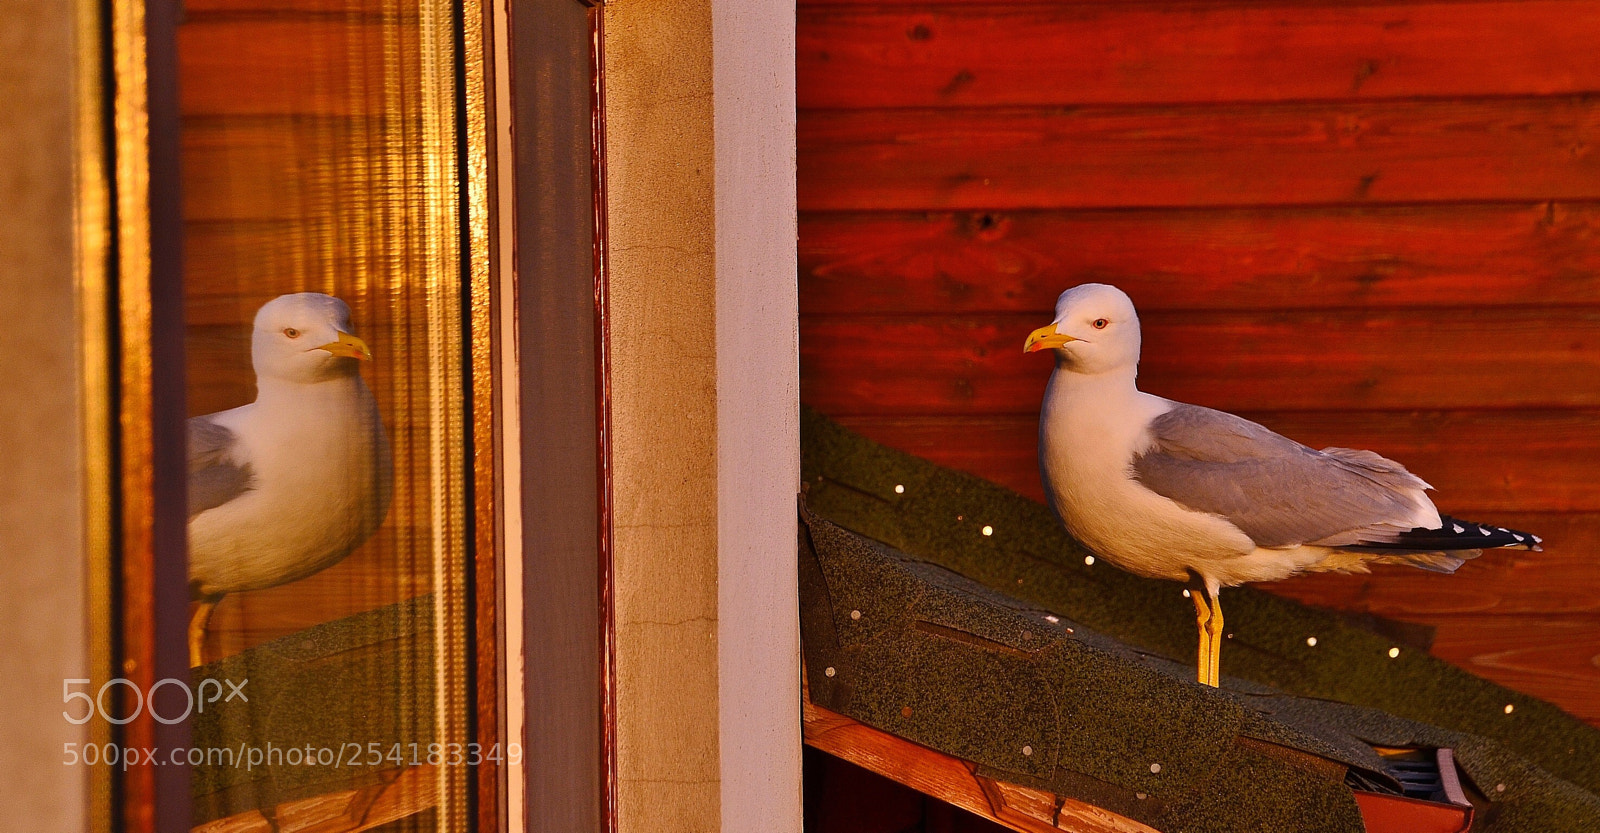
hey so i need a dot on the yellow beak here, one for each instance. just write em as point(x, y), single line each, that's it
point(1045, 337)
point(348, 346)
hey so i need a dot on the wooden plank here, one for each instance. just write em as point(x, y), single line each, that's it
point(300, 65)
point(1064, 54)
point(402, 793)
point(1478, 461)
point(339, 172)
point(1281, 154)
point(1552, 657)
point(202, 10)
point(228, 280)
point(1352, 360)
point(231, 269)
point(1224, 259)
point(955, 781)
point(1560, 580)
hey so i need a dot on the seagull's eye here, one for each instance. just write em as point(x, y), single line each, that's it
point(1100, 323)
point(291, 332)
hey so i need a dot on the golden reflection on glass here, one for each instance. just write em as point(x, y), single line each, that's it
point(320, 156)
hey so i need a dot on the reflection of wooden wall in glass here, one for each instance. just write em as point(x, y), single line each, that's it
point(307, 168)
point(319, 154)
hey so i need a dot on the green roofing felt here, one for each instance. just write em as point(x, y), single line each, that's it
point(949, 610)
point(360, 687)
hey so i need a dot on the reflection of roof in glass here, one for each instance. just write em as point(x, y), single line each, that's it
point(1007, 649)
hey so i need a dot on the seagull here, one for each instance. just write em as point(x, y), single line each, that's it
point(1168, 490)
point(290, 484)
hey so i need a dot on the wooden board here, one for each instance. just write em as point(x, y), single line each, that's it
point(276, 168)
point(403, 793)
point(1480, 461)
point(955, 781)
point(196, 11)
point(1512, 149)
point(1427, 359)
point(998, 55)
point(232, 268)
point(1552, 657)
point(1208, 259)
point(285, 64)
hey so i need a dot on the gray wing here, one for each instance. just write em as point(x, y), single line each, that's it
point(1277, 491)
point(214, 476)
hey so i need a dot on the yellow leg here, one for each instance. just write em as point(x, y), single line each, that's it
point(1214, 624)
point(197, 631)
point(1202, 615)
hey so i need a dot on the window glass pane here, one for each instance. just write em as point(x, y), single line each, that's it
point(323, 284)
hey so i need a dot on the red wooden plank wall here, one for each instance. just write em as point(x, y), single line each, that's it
point(1372, 225)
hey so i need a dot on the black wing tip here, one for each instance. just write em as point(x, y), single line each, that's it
point(1457, 534)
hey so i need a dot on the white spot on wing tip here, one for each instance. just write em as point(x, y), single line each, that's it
point(1459, 528)
point(1484, 532)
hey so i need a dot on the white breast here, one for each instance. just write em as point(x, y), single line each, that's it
point(321, 486)
point(1085, 455)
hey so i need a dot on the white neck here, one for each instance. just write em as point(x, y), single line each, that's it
point(1109, 386)
point(1106, 406)
point(270, 389)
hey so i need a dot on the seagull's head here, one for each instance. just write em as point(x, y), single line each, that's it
point(305, 337)
point(1095, 330)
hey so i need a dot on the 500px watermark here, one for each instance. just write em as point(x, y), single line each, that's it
point(249, 757)
point(195, 700)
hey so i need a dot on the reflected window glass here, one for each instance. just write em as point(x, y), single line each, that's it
point(323, 303)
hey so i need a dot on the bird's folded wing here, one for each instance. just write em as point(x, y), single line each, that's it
point(215, 476)
point(1275, 490)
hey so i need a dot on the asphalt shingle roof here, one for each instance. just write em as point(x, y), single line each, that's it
point(959, 615)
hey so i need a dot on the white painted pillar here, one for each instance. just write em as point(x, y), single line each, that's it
point(758, 433)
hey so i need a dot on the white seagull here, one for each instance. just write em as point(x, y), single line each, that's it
point(293, 482)
point(1174, 491)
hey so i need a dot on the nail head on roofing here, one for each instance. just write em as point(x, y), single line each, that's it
point(899, 489)
point(1051, 618)
point(905, 711)
point(1155, 767)
point(1027, 750)
point(1089, 560)
point(1510, 708)
point(1312, 641)
point(1499, 788)
point(1394, 652)
point(855, 614)
point(988, 530)
point(829, 671)
point(1140, 796)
